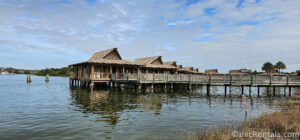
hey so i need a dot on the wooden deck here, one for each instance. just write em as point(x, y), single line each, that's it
point(201, 79)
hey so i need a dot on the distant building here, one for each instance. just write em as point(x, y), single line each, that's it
point(211, 71)
point(240, 71)
point(246, 70)
point(3, 71)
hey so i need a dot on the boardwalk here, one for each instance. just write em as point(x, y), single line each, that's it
point(199, 79)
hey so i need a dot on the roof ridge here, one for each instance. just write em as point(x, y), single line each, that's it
point(148, 57)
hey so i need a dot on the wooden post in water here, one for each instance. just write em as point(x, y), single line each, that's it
point(250, 90)
point(274, 89)
point(284, 90)
point(208, 90)
point(250, 87)
point(28, 78)
point(208, 85)
point(258, 90)
point(230, 85)
point(225, 88)
point(47, 78)
point(290, 90)
point(242, 90)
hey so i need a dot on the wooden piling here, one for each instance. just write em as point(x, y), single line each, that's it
point(242, 90)
point(225, 88)
point(47, 78)
point(28, 78)
point(208, 90)
point(258, 91)
point(250, 90)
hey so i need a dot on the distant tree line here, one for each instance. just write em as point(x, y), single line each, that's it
point(268, 67)
point(65, 71)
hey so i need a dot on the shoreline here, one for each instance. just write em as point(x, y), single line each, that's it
point(283, 124)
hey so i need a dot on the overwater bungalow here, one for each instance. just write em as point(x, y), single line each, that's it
point(107, 68)
point(103, 66)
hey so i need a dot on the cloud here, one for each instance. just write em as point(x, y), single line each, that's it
point(202, 33)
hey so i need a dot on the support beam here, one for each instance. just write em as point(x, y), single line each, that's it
point(250, 90)
point(208, 90)
point(258, 91)
point(242, 90)
point(230, 91)
point(225, 90)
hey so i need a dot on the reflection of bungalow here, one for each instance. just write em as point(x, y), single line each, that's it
point(211, 71)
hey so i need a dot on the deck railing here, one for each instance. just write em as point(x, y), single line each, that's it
point(199, 78)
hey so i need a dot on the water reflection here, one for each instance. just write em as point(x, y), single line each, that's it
point(111, 104)
point(53, 110)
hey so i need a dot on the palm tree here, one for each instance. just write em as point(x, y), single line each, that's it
point(280, 66)
point(268, 67)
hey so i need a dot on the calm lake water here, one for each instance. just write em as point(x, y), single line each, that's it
point(53, 110)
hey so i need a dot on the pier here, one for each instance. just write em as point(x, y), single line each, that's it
point(107, 69)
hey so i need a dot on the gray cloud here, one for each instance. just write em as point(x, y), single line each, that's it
point(231, 38)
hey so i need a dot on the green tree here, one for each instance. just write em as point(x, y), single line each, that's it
point(280, 66)
point(268, 67)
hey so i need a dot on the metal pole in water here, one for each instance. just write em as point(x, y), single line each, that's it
point(28, 78)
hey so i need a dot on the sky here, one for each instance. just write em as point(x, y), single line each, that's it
point(206, 34)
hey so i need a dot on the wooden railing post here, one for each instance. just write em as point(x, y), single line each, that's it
point(270, 79)
point(287, 80)
point(153, 77)
point(251, 80)
point(167, 77)
point(230, 80)
point(209, 79)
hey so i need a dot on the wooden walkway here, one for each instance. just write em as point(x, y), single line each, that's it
point(199, 79)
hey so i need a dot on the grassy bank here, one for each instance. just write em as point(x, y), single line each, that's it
point(277, 125)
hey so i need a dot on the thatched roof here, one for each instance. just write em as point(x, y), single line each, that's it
point(235, 72)
point(188, 68)
point(173, 63)
point(110, 56)
point(211, 71)
point(179, 66)
point(148, 60)
point(153, 62)
point(273, 74)
point(104, 54)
